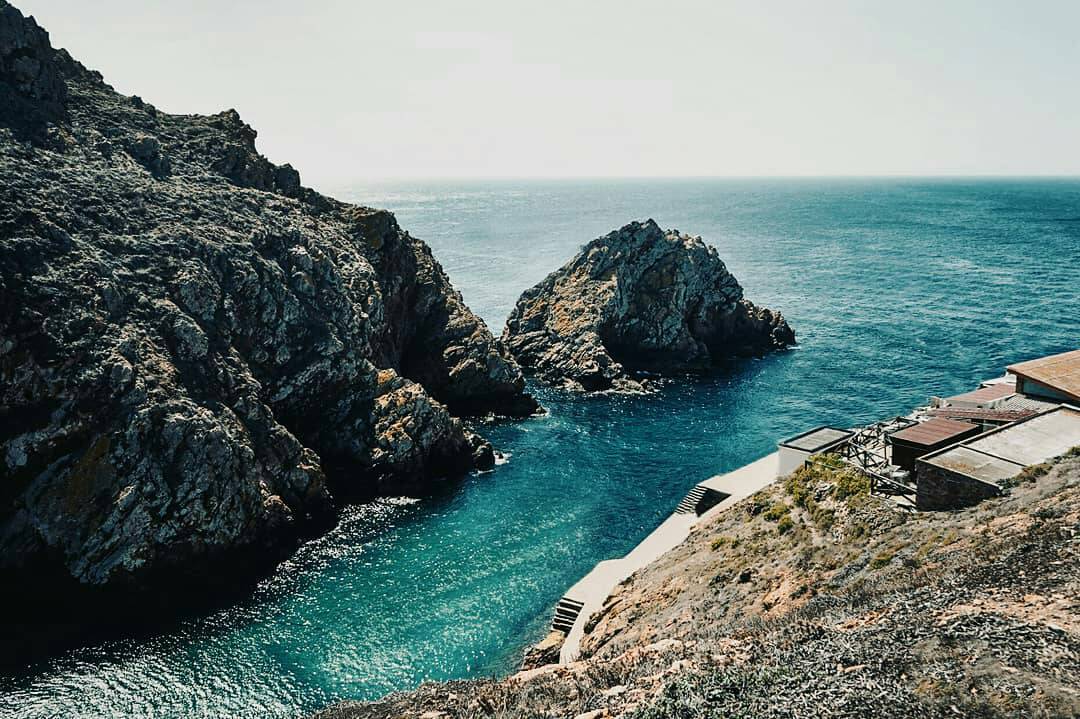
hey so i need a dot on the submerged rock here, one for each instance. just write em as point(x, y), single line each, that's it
point(197, 352)
point(637, 299)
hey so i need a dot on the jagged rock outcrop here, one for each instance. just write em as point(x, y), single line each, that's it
point(33, 92)
point(197, 352)
point(637, 299)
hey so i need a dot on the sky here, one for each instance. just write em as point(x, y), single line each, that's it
point(349, 90)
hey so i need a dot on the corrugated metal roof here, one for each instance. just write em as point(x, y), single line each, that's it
point(984, 394)
point(997, 414)
point(933, 431)
point(992, 456)
point(1061, 372)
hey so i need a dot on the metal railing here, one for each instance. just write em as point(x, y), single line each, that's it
point(867, 451)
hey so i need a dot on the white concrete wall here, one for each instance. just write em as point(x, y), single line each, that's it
point(790, 460)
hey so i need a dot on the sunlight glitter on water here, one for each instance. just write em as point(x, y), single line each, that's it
point(897, 289)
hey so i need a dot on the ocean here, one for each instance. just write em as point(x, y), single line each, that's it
point(897, 289)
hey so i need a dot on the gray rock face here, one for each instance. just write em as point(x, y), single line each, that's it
point(197, 352)
point(33, 91)
point(638, 298)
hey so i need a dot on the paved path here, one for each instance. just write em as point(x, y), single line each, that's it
point(596, 586)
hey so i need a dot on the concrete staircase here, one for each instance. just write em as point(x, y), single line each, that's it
point(689, 503)
point(566, 613)
point(592, 590)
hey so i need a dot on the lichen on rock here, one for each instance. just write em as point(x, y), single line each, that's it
point(637, 299)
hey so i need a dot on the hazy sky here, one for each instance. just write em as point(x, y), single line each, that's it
point(346, 90)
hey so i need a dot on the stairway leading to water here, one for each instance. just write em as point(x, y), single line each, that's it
point(566, 613)
point(690, 502)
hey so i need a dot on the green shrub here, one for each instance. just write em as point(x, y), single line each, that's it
point(828, 468)
point(785, 524)
point(823, 518)
point(724, 542)
point(828, 461)
point(778, 511)
point(882, 558)
point(797, 486)
point(850, 483)
point(932, 541)
point(756, 505)
point(858, 530)
point(1032, 473)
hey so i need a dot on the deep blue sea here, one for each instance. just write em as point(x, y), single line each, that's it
point(897, 289)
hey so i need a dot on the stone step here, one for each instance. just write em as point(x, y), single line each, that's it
point(689, 503)
point(566, 613)
point(562, 625)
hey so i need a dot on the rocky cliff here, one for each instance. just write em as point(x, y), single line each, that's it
point(814, 598)
point(637, 299)
point(197, 353)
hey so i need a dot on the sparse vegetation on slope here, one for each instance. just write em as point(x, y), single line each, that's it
point(876, 611)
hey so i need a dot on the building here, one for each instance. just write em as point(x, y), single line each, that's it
point(988, 397)
point(964, 447)
point(1009, 409)
point(913, 442)
point(796, 450)
point(1055, 378)
point(963, 474)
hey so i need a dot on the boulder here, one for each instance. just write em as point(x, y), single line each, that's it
point(545, 652)
point(637, 300)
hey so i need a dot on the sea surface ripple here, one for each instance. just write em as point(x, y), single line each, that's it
point(897, 289)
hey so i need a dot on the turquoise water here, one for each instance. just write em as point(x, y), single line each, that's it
point(897, 289)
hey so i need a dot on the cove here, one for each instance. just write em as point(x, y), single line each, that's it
point(895, 288)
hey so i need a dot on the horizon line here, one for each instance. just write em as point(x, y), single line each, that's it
point(895, 176)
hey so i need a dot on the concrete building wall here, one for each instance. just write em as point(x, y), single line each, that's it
point(1028, 386)
point(790, 460)
point(939, 488)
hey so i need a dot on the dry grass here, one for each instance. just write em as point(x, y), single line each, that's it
point(871, 612)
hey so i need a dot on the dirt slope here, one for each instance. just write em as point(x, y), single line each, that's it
point(813, 598)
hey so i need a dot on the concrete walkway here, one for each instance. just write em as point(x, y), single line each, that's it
point(596, 586)
point(743, 482)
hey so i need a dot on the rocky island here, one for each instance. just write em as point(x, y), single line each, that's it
point(637, 299)
point(199, 356)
